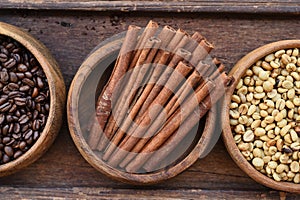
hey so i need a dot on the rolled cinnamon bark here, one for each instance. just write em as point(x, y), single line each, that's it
point(166, 36)
point(221, 83)
point(189, 85)
point(200, 52)
point(192, 82)
point(196, 39)
point(177, 76)
point(149, 32)
point(137, 74)
point(103, 105)
point(180, 39)
point(174, 140)
point(181, 55)
point(175, 121)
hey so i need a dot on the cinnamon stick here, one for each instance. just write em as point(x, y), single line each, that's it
point(179, 40)
point(179, 117)
point(200, 52)
point(136, 75)
point(181, 55)
point(192, 83)
point(189, 85)
point(166, 35)
point(149, 32)
point(138, 132)
point(177, 75)
point(154, 160)
point(171, 107)
point(103, 106)
point(196, 39)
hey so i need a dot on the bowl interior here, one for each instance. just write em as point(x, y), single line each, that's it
point(81, 113)
point(237, 72)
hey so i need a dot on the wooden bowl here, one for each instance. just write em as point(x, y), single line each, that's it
point(57, 98)
point(237, 72)
point(81, 103)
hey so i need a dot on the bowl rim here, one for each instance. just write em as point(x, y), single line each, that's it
point(56, 86)
point(137, 179)
point(237, 72)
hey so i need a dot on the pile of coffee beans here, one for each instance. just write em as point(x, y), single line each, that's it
point(24, 99)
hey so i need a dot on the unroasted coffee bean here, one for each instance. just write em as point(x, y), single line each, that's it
point(24, 100)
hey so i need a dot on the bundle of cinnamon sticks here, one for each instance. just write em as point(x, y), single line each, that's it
point(163, 83)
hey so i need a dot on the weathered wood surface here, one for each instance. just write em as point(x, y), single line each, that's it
point(217, 6)
point(70, 36)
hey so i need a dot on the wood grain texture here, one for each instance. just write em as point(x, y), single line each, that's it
point(70, 36)
point(216, 6)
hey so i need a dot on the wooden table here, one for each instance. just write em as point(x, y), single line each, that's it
point(71, 30)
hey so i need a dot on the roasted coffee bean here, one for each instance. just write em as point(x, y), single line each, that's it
point(9, 151)
point(29, 141)
point(28, 75)
point(10, 63)
point(17, 57)
point(34, 69)
point(3, 100)
point(11, 128)
point(23, 119)
point(35, 92)
point(3, 57)
point(36, 135)
point(20, 75)
point(10, 46)
point(5, 107)
point(40, 99)
point(24, 100)
point(22, 145)
point(4, 77)
point(27, 134)
point(47, 106)
point(13, 108)
point(11, 143)
point(6, 140)
point(24, 88)
point(18, 154)
point(5, 129)
point(13, 86)
point(5, 158)
point(36, 125)
point(5, 51)
point(2, 118)
point(39, 82)
point(13, 77)
point(19, 101)
point(9, 118)
point(34, 116)
point(16, 136)
point(14, 94)
point(29, 82)
point(22, 68)
point(5, 90)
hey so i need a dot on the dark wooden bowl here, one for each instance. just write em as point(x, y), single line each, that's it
point(237, 72)
point(81, 103)
point(57, 98)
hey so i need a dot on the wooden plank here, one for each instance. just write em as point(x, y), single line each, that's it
point(221, 6)
point(109, 193)
point(70, 36)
